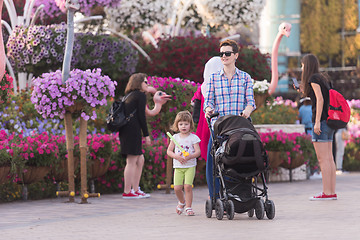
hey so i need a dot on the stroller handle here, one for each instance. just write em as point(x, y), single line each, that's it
point(208, 120)
point(212, 116)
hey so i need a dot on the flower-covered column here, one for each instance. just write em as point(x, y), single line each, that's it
point(71, 8)
point(78, 97)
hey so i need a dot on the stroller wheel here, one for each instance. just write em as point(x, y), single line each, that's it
point(251, 212)
point(230, 209)
point(208, 208)
point(259, 209)
point(270, 209)
point(219, 209)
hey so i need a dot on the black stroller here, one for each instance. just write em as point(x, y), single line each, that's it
point(239, 158)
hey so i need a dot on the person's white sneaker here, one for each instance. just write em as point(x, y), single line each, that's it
point(316, 175)
point(141, 194)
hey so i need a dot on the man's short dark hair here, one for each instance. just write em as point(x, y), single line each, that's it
point(231, 43)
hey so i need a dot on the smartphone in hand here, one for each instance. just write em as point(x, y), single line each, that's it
point(296, 84)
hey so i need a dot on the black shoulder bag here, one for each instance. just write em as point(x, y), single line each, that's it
point(116, 118)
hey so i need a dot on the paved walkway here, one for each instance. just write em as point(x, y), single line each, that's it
point(112, 217)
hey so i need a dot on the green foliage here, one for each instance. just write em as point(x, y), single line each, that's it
point(10, 192)
point(153, 172)
point(308, 152)
point(182, 57)
point(5, 158)
point(254, 63)
point(181, 91)
point(185, 57)
point(44, 189)
point(352, 156)
point(6, 89)
point(24, 104)
point(321, 26)
point(112, 181)
point(320, 23)
point(275, 114)
point(295, 148)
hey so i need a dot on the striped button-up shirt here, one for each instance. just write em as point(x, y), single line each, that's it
point(229, 97)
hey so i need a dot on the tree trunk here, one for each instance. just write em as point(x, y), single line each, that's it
point(70, 151)
point(83, 153)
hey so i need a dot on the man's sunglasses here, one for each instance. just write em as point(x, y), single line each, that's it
point(228, 53)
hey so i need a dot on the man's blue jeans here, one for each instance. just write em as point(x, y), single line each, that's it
point(209, 172)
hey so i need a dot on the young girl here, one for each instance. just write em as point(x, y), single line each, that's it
point(184, 172)
point(316, 86)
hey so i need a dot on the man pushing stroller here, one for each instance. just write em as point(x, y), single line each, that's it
point(229, 92)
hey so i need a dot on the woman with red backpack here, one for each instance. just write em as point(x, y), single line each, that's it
point(316, 86)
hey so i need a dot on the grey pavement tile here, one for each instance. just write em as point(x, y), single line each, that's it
point(111, 217)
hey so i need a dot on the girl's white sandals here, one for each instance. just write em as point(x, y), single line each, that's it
point(189, 211)
point(180, 208)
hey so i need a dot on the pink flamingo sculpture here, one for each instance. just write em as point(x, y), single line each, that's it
point(2, 50)
point(160, 98)
point(284, 29)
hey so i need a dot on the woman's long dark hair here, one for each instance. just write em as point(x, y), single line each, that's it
point(311, 67)
point(135, 82)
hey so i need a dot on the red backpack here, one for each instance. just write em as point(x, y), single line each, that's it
point(339, 110)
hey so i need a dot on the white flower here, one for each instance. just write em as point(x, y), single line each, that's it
point(261, 86)
point(136, 15)
point(230, 12)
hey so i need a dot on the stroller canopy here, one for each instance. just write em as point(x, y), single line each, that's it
point(242, 149)
point(228, 123)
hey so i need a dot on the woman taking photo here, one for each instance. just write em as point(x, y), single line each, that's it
point(130, 135)
point(316, 86)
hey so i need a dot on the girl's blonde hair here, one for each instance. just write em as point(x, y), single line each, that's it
point(184, 116)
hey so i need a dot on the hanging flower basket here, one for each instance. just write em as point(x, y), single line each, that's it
point(289, 148)
point(98, 168)
point(33, 174)
point(101, 147)
point(81, 93)
point(274, 158)
point(76, 108)
point(4, 173)
point(60, 172)
point(260, 99)
point(260, 92)
point(295, 162)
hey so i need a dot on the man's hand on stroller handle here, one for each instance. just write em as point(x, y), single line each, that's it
point(247, 111)
point(208, 112)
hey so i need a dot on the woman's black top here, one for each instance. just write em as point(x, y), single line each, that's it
point(130, 134)
point(325, 86)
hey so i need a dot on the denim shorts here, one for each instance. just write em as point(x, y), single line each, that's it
point(326, 134)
